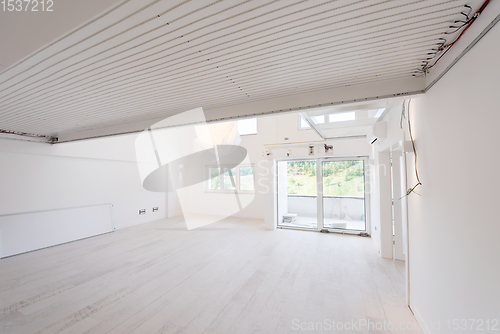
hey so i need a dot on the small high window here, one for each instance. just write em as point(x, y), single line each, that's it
point(247, 126)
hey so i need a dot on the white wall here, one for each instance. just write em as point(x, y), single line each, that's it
point(454, 230)
point(38, 176)
point(272, 131)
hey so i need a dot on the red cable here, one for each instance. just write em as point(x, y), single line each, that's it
point(476, 14)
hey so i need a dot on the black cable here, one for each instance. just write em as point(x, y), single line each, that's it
point(442, 50)
point(410, 190)
point(470, 10)
point(402, 115)
point(468, 22)
point(24, 134)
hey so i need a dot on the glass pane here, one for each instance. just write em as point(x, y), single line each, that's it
point(229, 178)
point(379, 112)
point(246, 178)
point(303, 123)
point(297, 194)
point(342, 117)
point(344, 194)
point(214, 181)
point(247, 126)
point(318, 119)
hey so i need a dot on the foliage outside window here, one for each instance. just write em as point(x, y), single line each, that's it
point(340, 178)
point(214, 178)
point(239, 178)
point(229, 178)
point(343, 178)
point(246, 178)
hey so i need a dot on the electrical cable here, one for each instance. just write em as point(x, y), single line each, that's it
point(403, 115)
point(24, 134)
point(410, 190)
point(466, 24)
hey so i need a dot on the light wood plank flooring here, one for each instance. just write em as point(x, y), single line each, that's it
point(228, 277)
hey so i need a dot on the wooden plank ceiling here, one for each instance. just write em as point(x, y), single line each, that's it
point(150, 59)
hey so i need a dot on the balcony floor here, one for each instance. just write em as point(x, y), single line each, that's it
point(312, 223)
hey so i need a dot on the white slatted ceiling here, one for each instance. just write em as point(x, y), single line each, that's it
point(130, 65)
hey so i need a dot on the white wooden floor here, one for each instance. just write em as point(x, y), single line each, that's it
point(229, 277)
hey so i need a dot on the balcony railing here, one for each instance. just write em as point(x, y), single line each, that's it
point(335, 207)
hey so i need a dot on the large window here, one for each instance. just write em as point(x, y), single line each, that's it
point(247, 126)
point(230, 179)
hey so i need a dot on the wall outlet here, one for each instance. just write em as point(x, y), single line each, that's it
point(155, 209)
point(142, 211)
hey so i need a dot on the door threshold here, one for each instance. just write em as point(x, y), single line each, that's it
point(358, 233)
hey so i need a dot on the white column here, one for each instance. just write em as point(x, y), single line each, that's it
point(398, 205)
point(384, 174)
point(319, 191)
point(269, 186)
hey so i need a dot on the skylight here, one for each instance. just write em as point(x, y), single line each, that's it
point(342, 117)
point(303, 123)
point(379, 112)
point(318, 119)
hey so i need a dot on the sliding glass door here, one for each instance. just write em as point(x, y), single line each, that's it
point(324, 193)
point(297, 194)
point(344, 194)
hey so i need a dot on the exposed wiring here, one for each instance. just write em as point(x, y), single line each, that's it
point(24, 134)
point(403, 115)
point(443, 48)
point(411, 190)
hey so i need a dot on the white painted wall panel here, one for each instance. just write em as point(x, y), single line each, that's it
point(38, 177)
point(24, 232)
point(453, 228)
